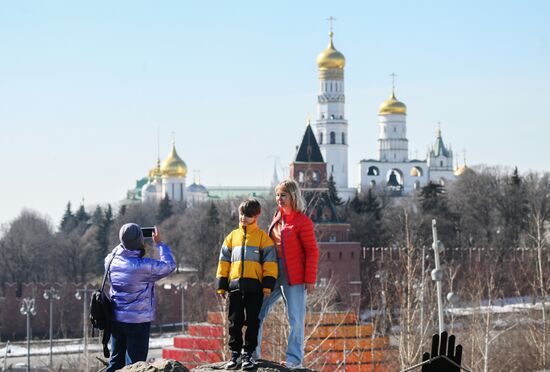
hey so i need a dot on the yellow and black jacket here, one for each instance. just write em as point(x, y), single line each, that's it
point(248, 261)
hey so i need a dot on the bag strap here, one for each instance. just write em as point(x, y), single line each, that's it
point(107, 271)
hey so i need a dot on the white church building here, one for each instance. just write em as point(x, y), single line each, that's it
point(392, 168)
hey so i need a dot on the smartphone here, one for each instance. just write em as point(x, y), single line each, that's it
point(147, 232)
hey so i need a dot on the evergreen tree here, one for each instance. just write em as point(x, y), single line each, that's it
point(513, 209)
point(81, 215)
point(97, 216)
point(122, 210)
point(365, 216)
point(333, 193)
point(164, 209)
point(432, 198)
point(68, 221)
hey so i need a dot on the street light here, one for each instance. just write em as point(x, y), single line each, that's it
point(51, 294)
point(183, 288)
point(437, 274)
point(84, 298)
point(27, 308)
point(383, 276)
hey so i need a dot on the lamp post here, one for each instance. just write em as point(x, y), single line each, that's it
point(180, 287)
point(27, 308)
point(437, 275)
point(382, 276)
point(82, 294)
point(50, 295)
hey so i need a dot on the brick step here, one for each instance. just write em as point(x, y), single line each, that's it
point(200, 343)
point(363, 367)
point(353, 357)
point(205, 330)
point(192, 356)
point(347, 344)
point(346, 331)
point(218, 318)
point(331, 318)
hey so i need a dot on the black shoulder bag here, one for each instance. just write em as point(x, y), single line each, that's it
point(101, 312)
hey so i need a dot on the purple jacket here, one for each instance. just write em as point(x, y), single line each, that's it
point(133, 282)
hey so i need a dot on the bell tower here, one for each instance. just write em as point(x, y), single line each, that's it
point(331, 125)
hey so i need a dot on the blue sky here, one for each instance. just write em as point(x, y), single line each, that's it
point(85, 85)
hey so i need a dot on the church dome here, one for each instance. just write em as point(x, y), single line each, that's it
point(155, 172)
point(414, 172)
point(460, 171)
point(196, 187)
point(330, 57)
point(173, 166)
point(392, 106)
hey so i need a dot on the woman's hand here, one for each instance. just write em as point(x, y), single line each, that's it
point(310, 288)
point(156, 236)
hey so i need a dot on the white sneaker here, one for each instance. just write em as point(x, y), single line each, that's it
point(292, 366)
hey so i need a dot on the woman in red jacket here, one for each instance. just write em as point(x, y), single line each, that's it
point(294, 237)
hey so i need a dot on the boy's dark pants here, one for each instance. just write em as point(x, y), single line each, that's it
point(241, 303)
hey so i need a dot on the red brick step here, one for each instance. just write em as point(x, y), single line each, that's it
point(205, 330)
point(200, 343)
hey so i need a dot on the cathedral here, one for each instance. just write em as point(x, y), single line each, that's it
point(168, 180)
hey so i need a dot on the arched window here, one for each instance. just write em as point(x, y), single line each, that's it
point(373, 171)
point(328, 256)
point(441, 163)
point(343, 138)
point(340, 255)
point(320, 138)
point(301, 177)
point(332, 138)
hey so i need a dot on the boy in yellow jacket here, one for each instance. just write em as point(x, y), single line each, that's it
point(247, 270)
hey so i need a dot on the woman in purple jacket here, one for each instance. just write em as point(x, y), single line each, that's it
point(133, 280)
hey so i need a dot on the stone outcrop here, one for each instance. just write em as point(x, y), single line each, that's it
point(161, 365)
point(262, 366)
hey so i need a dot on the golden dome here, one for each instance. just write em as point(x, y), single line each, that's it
point(330, 57)
point(462, 170)
point(155, 172)
point(392, 106)
point(173, 166)
point(414, 172)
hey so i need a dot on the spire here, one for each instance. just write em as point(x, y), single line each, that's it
point(439, 148)
point(308, 151)
point(275, 180)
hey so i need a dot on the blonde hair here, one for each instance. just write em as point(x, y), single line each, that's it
point(291, 187)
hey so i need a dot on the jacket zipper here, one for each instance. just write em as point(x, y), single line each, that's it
point(283, 248)
point(242, 257)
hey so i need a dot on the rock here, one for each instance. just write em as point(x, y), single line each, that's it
point(161, 365)
point(262, 366)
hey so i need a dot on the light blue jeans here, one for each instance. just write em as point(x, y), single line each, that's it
point(295, 299)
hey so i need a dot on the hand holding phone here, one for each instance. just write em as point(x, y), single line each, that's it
point(147, 232)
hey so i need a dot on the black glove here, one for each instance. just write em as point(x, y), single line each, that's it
point(440, 364)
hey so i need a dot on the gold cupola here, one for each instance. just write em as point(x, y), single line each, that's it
point(173, 166)
point(330, 58)
point(392, 106)
point(156, 171)
point(464, 169)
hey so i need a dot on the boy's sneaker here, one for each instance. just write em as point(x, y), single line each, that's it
point(234, 361)
point(248, 362)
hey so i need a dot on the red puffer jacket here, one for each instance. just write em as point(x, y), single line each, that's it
point(299, 247)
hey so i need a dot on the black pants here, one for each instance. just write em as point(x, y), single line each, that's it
point(244, 309)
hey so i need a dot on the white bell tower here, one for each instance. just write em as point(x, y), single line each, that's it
point(331, 125)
